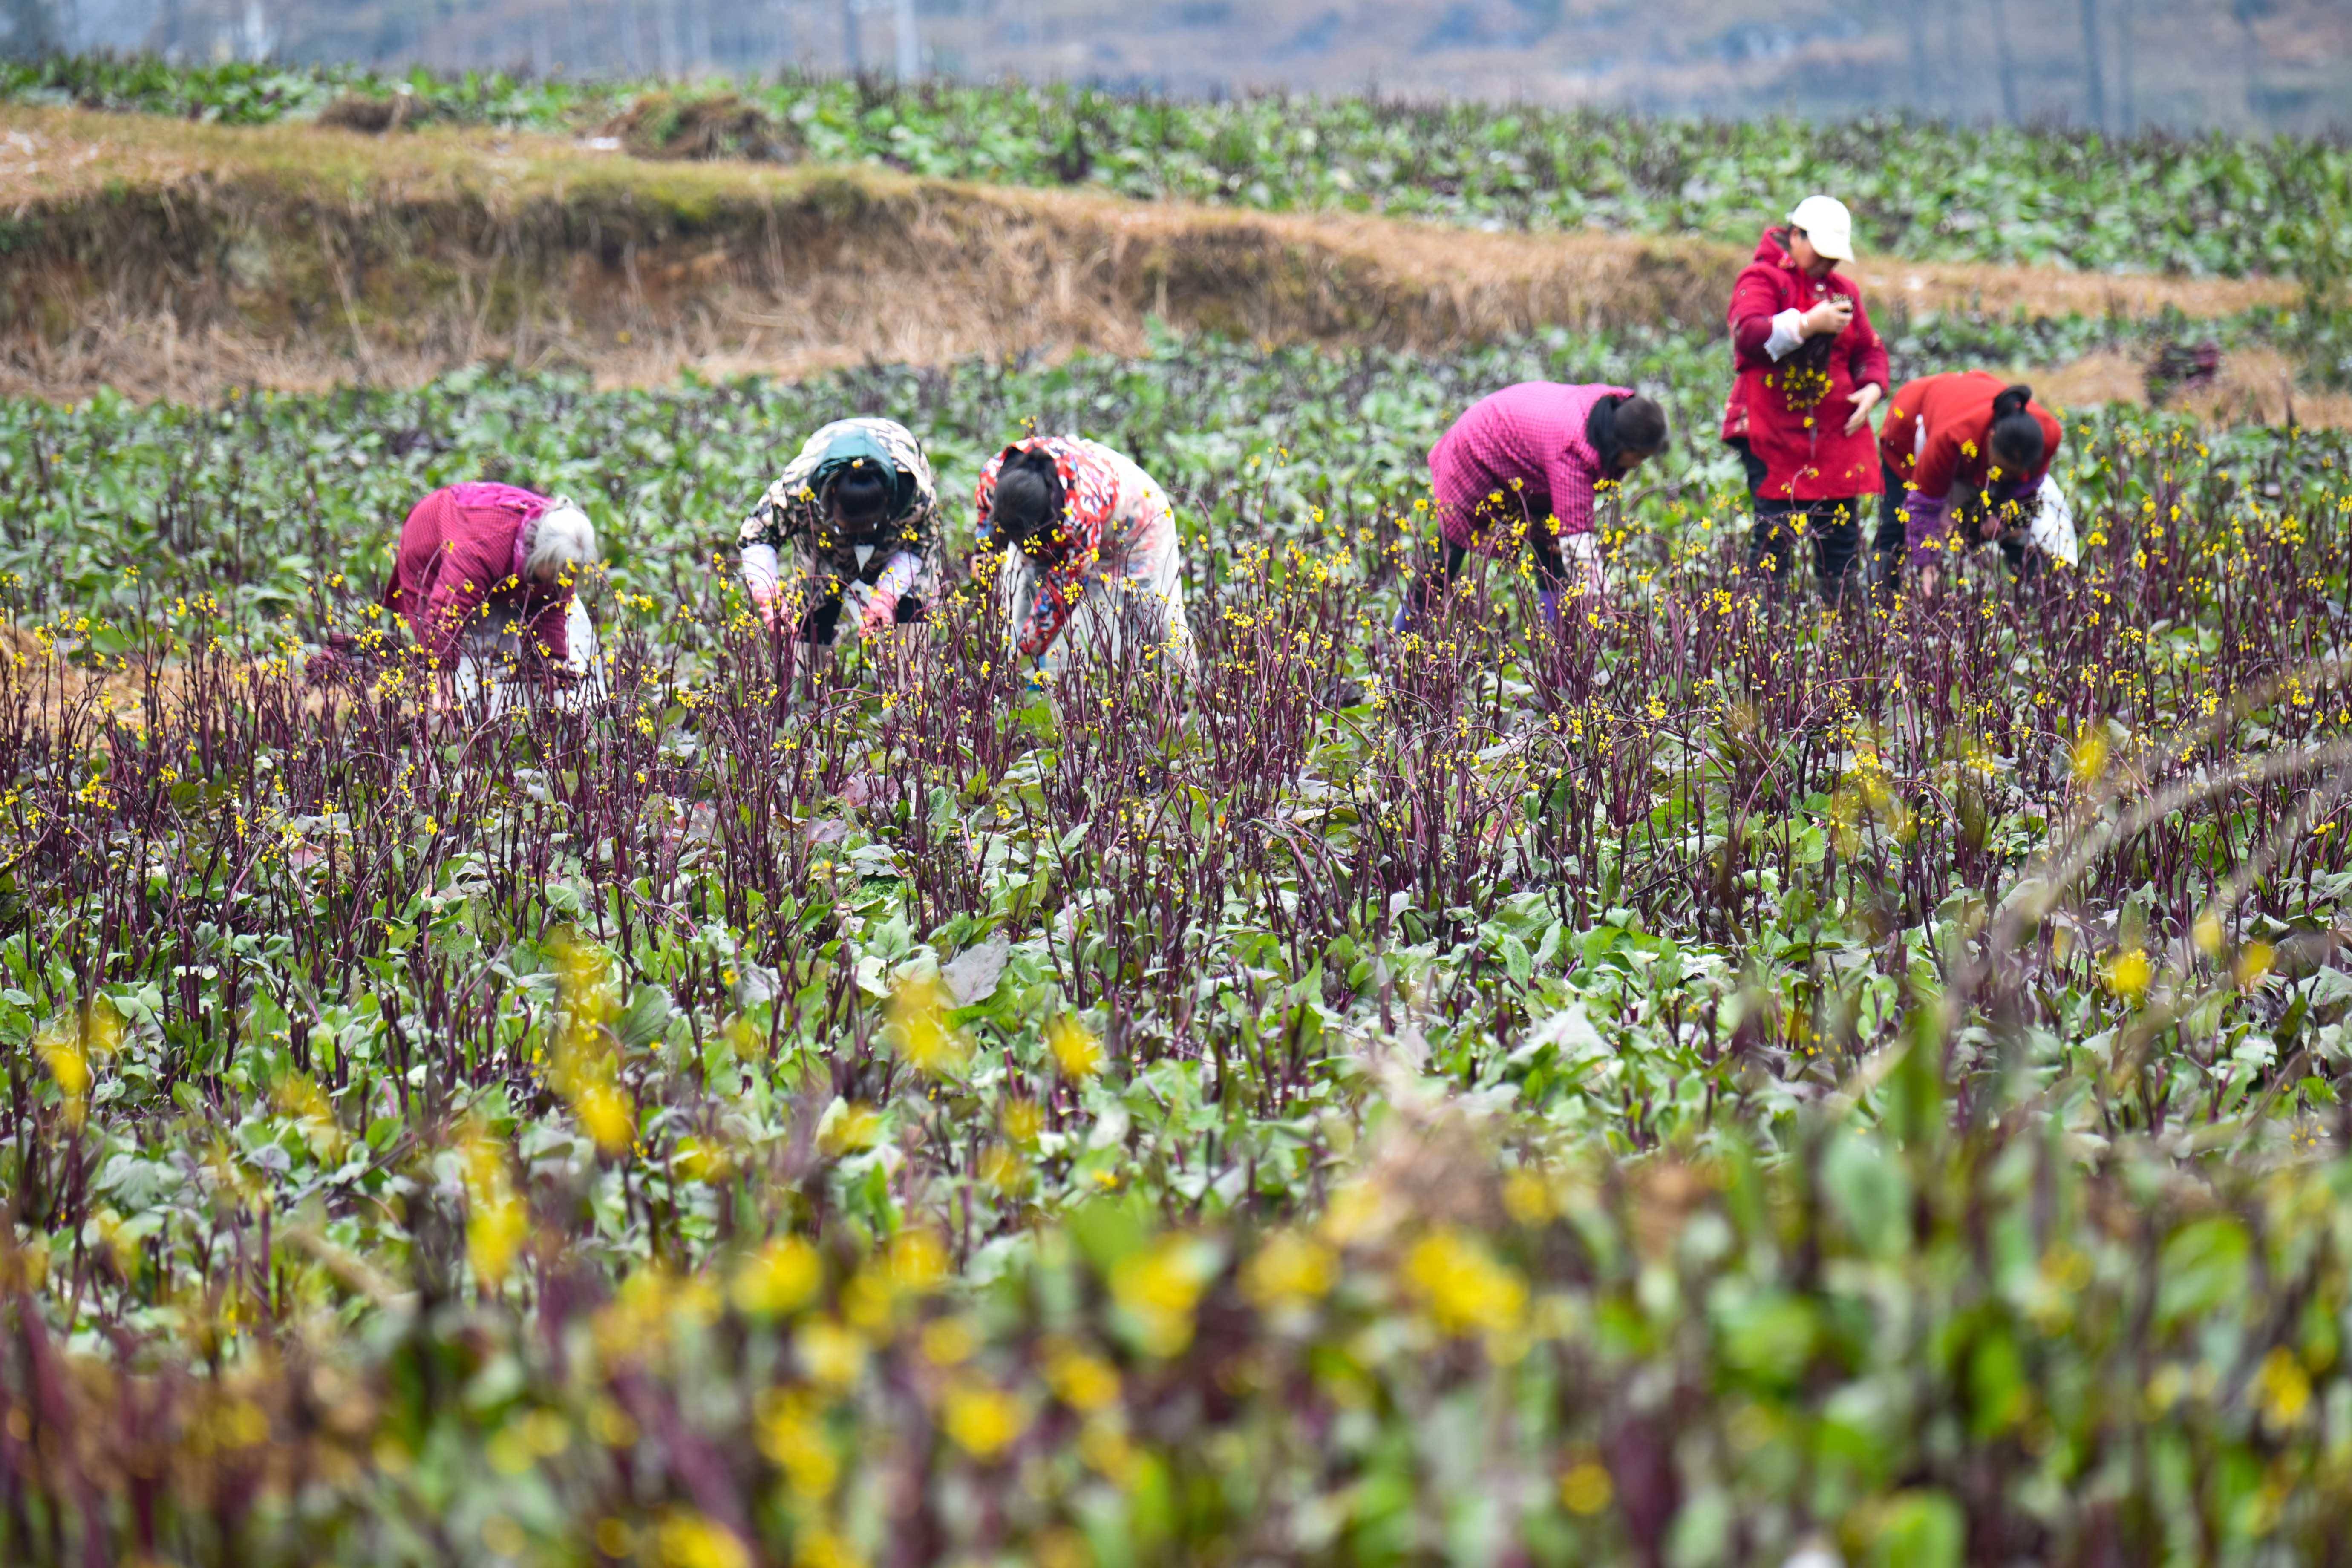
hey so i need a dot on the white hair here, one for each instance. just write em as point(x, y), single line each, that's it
point(564, 541)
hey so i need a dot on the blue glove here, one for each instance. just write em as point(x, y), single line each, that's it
point(1548, 601)
point(1403, 621)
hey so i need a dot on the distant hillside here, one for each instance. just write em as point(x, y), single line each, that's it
point(2116, 64)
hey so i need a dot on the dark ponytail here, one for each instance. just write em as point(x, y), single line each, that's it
point(1641, 426)
point(1633, 427)
point(2017, 439)
point(861, 495)
point(1028, 496)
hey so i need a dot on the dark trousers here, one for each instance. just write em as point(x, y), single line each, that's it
point(1551, 573)
point(1785, 531)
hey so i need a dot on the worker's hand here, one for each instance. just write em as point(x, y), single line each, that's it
point(1829, 318)
point(881, 612)
point(769, 610)
point(1865, 398)
point(1929, 579)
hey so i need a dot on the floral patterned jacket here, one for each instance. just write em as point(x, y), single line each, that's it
point(792, 514)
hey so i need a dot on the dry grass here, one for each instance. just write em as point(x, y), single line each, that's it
point(2257, 386)
point(301, 257)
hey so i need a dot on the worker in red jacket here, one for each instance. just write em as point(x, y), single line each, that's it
point(1961, 454)
point(1810, 368)
point(485, 578)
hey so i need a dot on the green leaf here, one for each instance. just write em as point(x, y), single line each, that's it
point(2202, 1266)
point(1919, 1530)
point(646, 1018)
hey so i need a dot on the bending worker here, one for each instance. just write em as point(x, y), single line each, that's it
point(1523, 464)
point(856, 509)
point(487, 579)
point(1810, 369)
point(1090, 552)
point(1965, 454)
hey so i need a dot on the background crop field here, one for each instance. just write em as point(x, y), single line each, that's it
point(1919, 189)
point(2255, 66)
point(1719, 1078)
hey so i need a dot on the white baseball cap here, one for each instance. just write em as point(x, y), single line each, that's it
point(1827, 225)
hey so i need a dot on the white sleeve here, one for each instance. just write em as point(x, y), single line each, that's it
point(1582, 554)
point(897, 576)
point(1788, 332)
point(761, 572)
point(2054, 525)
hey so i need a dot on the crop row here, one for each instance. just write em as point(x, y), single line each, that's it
point(256, 501)
point(2155, 203)
point(1723, 1075)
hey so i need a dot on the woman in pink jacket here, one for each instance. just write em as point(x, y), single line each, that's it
point(486, 579)
point(1524, 465)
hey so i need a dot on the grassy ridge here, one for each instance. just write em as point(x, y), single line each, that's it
point(184, 259)
point(1663, 1091)
point(2209, 205)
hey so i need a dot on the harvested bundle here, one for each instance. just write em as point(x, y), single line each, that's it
point(358, 111)
point(2177, 366)
point(721, 125)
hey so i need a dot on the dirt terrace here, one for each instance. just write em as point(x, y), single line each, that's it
point(170, 258)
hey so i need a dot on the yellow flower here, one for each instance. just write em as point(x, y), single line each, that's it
point(1104, 1447)
point(699, 1160)
point(1526, 1195)
point(689, 1541)
point(1023, 1120)
point(2207, 934)
point(1462, 1287)
point(823, 1548)
point(1159, 1287)
point(1075, 1050)
point(1354, 1210)
point(918, 1261)
point(1585, 1488)
point(791, 1434)
point(2254, 963)
point(1079, 1379)
point(2285, 1388)
point(2128, 973)
point(949, 1341)
point(831, 1354)
point(70, 1068)
point(919, 1010)
point(1290, 1272)
point(983, 1421)
point(1002, 1169)
point(604, 1117)
point(780, 1278)
point(2090, 757)
point(493, 1234)
point(848, 1130)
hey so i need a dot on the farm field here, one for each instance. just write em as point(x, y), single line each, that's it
point(1721, 1080)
